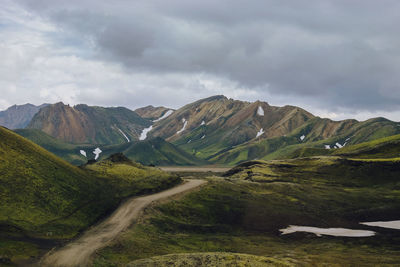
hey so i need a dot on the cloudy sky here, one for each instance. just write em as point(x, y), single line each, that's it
point(337, 58)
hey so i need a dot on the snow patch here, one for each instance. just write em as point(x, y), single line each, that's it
point(327, 231)
point(166, 114)
point(203, 137)
point(202, 123)
point(302, 137)
point(388, 224)
point(189, 141)
point(126, 137)
point(327, 147)
point(260, 132)
point(143, 135)
point(97, 152)
point(83, 153)
point(184, 126)
point(347, 139)
point(260, 111)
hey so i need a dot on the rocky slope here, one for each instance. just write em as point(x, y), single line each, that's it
point(228, 131)
point(85, 124)
point(18, 116)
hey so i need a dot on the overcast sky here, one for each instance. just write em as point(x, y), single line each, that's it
point(337, 59)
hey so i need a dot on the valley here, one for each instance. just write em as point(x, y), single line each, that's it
point(218, 181)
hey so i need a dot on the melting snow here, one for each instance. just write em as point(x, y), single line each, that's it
point(347, 139)
point(389, 224)
point(184, 126)
point(327, 147)
point(302, 137)
point(203, 137)
point(327, 231)
point(127, 139)
point(339, 145)
point(260, 132)
point(97, 152)
point(189, 141)
point(143, 135)
point(166, 114)
point(83, 152)
point(202, 123)
point(260, 111)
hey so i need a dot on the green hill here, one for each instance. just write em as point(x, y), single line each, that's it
point(153, 151)
point(44, 199)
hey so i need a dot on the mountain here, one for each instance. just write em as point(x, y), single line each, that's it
point(18, 116)
point(149, 152)
point(86, 124)
point(227, 131)
point(213, 124)
point(153, 113)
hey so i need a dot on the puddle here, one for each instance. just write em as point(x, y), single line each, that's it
point(388, 224)
point(327, 231)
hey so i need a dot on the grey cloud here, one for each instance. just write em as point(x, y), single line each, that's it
point(337, 54)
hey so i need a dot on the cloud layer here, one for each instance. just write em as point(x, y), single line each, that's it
point(337, 58)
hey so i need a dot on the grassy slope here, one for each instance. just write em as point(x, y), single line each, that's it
point(208, 259)
point(45, 198)
point(243, 212)
point(387, 147)
point(284, 146)
point(154, 151)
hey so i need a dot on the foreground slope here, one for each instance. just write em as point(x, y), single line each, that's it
point(19, 116)
point(244, 211)
point(85, 124)
point(44, 200)
point(40, 192)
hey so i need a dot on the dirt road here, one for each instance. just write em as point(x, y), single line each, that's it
point(78, 252)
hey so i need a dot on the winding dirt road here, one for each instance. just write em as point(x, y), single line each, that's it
point(78, 252)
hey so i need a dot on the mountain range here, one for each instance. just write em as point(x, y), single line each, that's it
point(18, 116)
point(215, 130)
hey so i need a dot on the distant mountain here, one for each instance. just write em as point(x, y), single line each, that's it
point(153, 113)
point(18, 116)
point(227, 131)
point(153, 151)
point(85, 124)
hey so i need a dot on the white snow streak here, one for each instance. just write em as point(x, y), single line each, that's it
point(143, 135)
point(302, 137)
point(83, 153)
point(203, 137)
point(184, 126)
point(166, 114)
point(260, 132)
point(97, 152)
point(202, 123)
point(327, 147)
point(327, 231)
point(127, 139)
point(388, 224)
point(260, 111)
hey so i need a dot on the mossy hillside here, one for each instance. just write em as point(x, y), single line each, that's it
point(39, 189)
point(243, 213)
point(209, 259)
point(44, 199)
point(132, 178)
point(387, 147)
